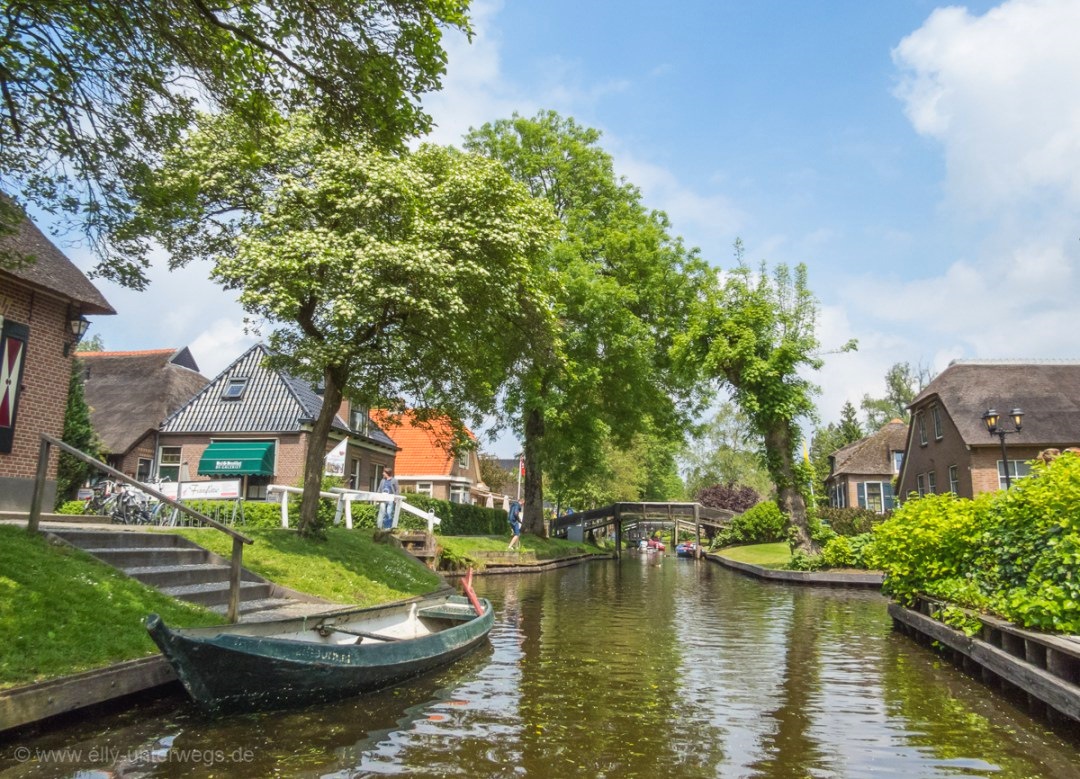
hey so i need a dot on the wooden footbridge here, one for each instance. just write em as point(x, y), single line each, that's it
point(627, 516)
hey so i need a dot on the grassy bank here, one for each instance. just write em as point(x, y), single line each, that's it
point(348, 567)
point(62, 611)
point(776, 555)
point(460, 551)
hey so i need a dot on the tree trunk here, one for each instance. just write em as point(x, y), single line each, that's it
point(779, 453)
point(533, 516)
point(314, 461)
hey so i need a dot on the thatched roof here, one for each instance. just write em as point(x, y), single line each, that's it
point(50, 270)
point(131, 393)
point(1048, 393)
point(871, 455)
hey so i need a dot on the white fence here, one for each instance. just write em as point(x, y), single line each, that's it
point(344, 499)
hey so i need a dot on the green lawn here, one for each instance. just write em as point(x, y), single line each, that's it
point(776, 555)
point(348, 567)
point(460, 549)
point(62, 611)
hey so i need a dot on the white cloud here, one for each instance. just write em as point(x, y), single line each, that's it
point(998, 92)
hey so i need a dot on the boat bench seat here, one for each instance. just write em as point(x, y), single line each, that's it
point(448, 611)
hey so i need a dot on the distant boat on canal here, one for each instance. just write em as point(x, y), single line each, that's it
point(265, 665)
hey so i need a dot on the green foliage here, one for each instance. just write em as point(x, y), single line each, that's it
point(761, 524)
point(457, 519)
point(851, 521)
point(850, 429)
point(801, 561)
point(726, 450)
point(755, 332)
point(902, 384)
point(837, 553)
point(1015, 553)
point(71, 507)
point(93, 93)
point(79, 433)
point(620, 287)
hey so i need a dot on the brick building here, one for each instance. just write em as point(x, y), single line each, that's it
point(949, 447)
point(861, 473)
point(42, 305)
point(253, 423)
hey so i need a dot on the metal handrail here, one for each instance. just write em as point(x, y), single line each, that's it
point(239, 539)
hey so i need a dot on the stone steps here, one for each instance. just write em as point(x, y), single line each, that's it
point(184, 570)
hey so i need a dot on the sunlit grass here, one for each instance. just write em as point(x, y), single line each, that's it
point(347, 567)
point(776, 555)
point(62, 611)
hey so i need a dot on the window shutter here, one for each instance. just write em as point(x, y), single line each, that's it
point(887, 494)
point(861, 486)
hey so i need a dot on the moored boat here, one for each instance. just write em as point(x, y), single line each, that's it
point(263, 665)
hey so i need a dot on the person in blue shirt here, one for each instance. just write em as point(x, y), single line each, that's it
point(386, 510)
point(515, 524)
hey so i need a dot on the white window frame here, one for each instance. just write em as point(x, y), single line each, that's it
point(931, 482)
point(425, 488)
point(463, 459)
point(920, 424)
point(144, 474)
point(886, 500)
point(897, 460)
point(459, 493)
point(920, 484)
point(935, 414)
point(954, 479)
point(234, 388)
point(170, 464)
point(1019, 470)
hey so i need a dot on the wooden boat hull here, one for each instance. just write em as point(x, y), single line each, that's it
point(293, 662)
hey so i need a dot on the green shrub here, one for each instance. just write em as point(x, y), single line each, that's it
point(850, 521)
point(838, 553)
point(761, 524)
point(801, 561)
point(457, 519)
point(1016, 553)
point(71, 507)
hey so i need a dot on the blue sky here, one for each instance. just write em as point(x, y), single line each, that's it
point(922, 160)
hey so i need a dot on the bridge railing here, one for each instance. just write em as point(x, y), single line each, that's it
point(647, 511)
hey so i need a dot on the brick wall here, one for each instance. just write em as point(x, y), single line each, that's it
point(43, 399)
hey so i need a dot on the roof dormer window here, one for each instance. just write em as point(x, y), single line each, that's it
point(234, 390)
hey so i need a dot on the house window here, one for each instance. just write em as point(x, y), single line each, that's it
point(424, 488)
point(234, 390)
point(920, 484)
point(954, 480)
point(146, 467)
point(463, 460)
point(1018, 469)
point(935, 413)
point(459, 493)
point(920, 423)
point(931, 482)
point(376, 477)
point(876, 496)
point(838, 496)
point(256, 487)
point(897, 461)
point(359, 421)
point(169, 463)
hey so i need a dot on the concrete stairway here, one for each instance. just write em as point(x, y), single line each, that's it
point(182, 569)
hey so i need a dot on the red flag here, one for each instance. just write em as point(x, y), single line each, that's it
point(521, 465)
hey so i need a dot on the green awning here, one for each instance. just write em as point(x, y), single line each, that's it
point(237, 458)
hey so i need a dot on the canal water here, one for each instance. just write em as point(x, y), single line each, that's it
point(652, 666)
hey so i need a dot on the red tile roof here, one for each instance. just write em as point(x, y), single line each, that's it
point(424, 449)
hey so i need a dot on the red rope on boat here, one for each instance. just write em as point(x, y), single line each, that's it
point(466, 585)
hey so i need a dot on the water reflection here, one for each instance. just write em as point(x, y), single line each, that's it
point(653, 666)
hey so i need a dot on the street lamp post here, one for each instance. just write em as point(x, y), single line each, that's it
point(992, 420)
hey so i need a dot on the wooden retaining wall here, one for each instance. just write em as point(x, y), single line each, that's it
point(1041, 666)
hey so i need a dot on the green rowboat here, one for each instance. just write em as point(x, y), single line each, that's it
point(263, 665)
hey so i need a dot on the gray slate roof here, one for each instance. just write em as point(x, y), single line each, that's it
point(51, 270)
point(130, 393)
point(871, 455)
point(272, 402)
point(1048, 393)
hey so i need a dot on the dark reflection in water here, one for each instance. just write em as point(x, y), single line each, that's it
point(650, 667)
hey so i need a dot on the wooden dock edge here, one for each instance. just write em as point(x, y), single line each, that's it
point(1057, 693)
point(32, 703)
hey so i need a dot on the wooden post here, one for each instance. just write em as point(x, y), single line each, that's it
point(618, 532)
point(697, 531)
point(39, 486)
point(235, 565)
